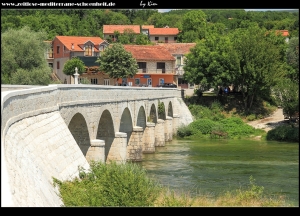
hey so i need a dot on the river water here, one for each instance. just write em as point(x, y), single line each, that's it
point(213, 166)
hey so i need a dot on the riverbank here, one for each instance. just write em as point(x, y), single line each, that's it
point(271, 122)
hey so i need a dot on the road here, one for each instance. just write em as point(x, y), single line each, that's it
point(270, 122)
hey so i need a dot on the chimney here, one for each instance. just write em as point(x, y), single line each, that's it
point(72, 47)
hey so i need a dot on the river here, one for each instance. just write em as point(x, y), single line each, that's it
point(213, 166)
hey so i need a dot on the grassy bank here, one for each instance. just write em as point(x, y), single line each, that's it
point(224, 116)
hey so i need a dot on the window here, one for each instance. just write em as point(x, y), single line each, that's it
point(106, 82)
point(50, 65)
point(88, 50)
point(142, 65)
point(175, 38)
point(57, 49)
point(137, 82)
point(166, 39)
point(178, 60)
point(94, 81)
point(156, 38)
point(161, 65)
point(57, 65)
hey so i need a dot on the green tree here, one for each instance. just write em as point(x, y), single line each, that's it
point(70, 65)
point(292, 55)
point(142, 39)
point(128, 37)
point(117, 62)
point(287, 94)
point(22, 57)
point(193, 26)
point(212, 62)
point(260, 64)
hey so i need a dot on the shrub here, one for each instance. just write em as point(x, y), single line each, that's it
point(214, 112)
point(235, 127)
point(284, 133)
point(184, 131)
point(251, 117)
point(110, 185)
point(203, 125)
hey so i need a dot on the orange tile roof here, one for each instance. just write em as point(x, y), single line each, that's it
point(284, 33)
point(77, 41)
point(178, 48)
point(109, 29)
point(163, 31)
point(147, 26)
point(149, 52)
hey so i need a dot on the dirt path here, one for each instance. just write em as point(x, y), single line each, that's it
point(270, 122)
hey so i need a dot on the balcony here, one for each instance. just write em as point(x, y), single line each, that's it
point(155, 71)
point(49, 55)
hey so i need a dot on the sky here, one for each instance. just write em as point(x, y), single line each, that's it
point(166, 10)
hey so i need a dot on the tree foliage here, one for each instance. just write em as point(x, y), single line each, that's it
point(212, 62)
point(117, 62)
point(90, 22)
point(260, 64)
point(246, 58)
point(193, 26)
point(292, 55)
point(70, 65)
point(287, 94)
point(22, 52)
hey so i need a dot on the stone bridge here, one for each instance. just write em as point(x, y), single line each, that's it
point(50, 131)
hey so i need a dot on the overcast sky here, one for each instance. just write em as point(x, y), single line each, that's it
point(166, 10)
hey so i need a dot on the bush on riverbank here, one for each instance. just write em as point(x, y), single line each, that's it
point(211, 115)
point(124, 185)
point(233, 126)
point(109, 185)
point(287, 133)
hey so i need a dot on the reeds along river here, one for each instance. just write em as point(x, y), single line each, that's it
point(213, 166)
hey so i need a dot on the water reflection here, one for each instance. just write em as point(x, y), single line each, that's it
point(215, 166)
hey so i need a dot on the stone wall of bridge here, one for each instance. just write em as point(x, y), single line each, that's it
point(50, 131)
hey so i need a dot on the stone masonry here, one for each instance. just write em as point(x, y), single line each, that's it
point(50, 131)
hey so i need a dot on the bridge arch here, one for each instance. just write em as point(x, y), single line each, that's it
point(153, 114)
point(79, 130)
point(170, 109)
point(161, 110)
point(126, 125)
point(141, 118)
point(106, 131)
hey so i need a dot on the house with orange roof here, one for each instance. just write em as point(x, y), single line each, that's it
point(179, 50)
point(66, 47)
point(284, 33)
point(109, 30)
point(163, 35)
point(156, 66)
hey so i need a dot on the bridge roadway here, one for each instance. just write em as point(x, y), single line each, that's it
point(50, 131)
